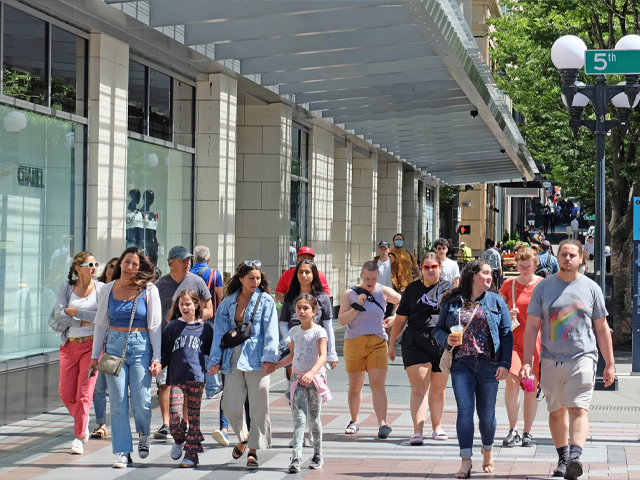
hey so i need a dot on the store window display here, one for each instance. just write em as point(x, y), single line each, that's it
point(159, 207)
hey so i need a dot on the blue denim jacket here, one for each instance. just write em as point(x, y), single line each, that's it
point(261, 346)
point(497, 313)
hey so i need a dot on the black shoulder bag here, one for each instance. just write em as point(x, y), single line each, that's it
point(241, 333)
point(370, 297)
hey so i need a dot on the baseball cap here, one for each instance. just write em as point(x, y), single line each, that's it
point(462, 243)
point(179, 252)
point(384, 243)
point(306, 251)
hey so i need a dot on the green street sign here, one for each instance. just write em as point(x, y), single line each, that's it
point(612, 62)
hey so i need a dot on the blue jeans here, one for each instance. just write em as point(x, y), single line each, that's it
point(134, 379)
point(474, 383)
point(211, 383)
point(100, 398)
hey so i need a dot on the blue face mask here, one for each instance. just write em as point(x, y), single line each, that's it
point(398, 243)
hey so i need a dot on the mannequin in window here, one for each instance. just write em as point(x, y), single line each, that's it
point(135, 221)
point(151, 227)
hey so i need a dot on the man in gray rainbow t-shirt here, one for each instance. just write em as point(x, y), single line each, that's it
point(569, 308)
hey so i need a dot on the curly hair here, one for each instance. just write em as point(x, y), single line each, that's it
point(175, 306)
point(528, 253)
point(465, 289)
point(77, 261)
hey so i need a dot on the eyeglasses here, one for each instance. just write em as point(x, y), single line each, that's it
point(90, 264)
point(111, 266)
point(254, 263)
point(430, 267)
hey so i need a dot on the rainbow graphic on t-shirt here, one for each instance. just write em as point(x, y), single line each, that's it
point(563, 320)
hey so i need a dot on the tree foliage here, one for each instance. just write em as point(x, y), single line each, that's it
point(522, 56)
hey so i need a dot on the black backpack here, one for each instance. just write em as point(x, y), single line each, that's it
point(542, 270)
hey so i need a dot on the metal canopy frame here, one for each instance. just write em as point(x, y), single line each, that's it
point(402, 75)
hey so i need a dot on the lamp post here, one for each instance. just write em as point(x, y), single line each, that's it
point(568, 55)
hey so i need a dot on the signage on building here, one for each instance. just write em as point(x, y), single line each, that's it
point(30, 176)
point(599, 62)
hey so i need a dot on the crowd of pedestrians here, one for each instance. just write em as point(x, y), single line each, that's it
point(537, 330)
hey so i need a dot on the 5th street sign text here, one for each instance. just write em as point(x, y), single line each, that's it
point(612, 62)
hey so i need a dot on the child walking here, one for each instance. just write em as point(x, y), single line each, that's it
point(185, 340)
point(309, 379)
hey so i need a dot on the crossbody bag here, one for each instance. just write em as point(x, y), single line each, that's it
point(240, 333)
point(447, 357)
point(111, 364)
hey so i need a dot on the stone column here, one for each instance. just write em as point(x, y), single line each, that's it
point(215, 173)
point(321, 195)
point(436, 211)
point(107, 145)
point(364, 207)
point(341, 231)
point(389, 216)
point(264, 185)
point(410, 211)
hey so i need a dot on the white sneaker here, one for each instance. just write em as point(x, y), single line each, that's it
point(123, 460)
point(176, 451)
point(86, 435)
point(76, 447)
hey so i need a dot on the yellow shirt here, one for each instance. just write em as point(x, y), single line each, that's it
point(407, 260)
point(464, 254)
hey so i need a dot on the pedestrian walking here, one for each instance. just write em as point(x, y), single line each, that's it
point(178, 279)
point(308, 354)
point(516, 292)
point(285, 280)
point(483, 358)
point(73, 316)
point(418, 311)
point(184, 341)
point(129, 318)
point(449, 269)
point(213, 279)
point(531, 218)
point(492, 257)
point(247, 365)
point(569, 311)
point(406, 258)
point(575, 228)
point(362, 310)
point(546, 260)
point(100, 390)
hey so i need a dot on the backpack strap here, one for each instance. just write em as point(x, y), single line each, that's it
point(370, 296)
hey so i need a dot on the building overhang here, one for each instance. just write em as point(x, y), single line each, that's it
point(402, 76)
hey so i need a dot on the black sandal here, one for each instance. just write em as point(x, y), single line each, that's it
point(237, 453)
point(252, 460)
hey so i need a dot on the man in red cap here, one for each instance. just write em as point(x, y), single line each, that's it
point(285, 279)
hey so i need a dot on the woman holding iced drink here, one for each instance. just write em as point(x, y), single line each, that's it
point(476, 323)
point(517, 293)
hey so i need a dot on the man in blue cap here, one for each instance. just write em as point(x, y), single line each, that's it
point(178, 279)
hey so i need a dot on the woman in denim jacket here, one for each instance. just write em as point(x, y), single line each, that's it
point(247, 366)
point(482, 359)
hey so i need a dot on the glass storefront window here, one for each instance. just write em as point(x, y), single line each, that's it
point(67, 71)
point(137, 97)
point(299, 192)
point(41, 224)
point(160, 93)
point(159, 203)
point(24, 56)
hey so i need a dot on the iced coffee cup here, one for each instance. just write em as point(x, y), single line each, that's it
point(458, 330)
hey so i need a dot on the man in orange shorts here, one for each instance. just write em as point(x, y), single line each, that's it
point(365, 346)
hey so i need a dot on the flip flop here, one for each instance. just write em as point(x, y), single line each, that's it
point(352, 428)
point(237, 453)
point(439, 435)
point(416, 439)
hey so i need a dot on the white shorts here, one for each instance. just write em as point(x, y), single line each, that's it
point(568, 384)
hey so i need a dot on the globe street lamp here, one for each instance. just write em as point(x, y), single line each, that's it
point(568, 55)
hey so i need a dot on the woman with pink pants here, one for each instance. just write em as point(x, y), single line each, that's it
point(73, 316)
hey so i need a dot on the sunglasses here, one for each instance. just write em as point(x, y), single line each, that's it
point(431, 268)
point(255, 263)
point(111, 266)
point(441, 248)
point(90, 264)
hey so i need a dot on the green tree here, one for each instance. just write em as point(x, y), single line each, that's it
point(522, 55)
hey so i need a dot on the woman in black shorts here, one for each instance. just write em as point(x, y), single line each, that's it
point(419, 310)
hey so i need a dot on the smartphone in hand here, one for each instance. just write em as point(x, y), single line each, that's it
point(92, 372)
